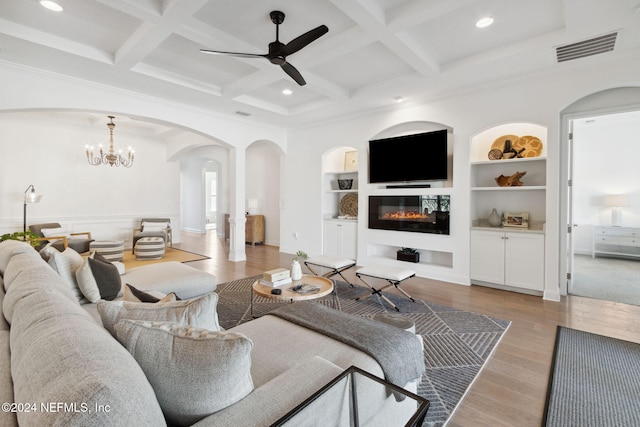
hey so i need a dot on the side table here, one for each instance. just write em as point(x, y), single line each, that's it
point(350, 399)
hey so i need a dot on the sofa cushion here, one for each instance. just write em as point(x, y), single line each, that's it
point(135, 295)
point(66, 264)
point(59, 354)
point(194, 372)
point(8, 248)
point(98, 279)
point(261, 409)
point(198, 312)
point(29, 273)
point(7, 418)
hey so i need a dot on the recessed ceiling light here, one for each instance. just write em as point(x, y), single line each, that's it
point(398, 98)
point(51, 5)
point(484, 22)
point(287, 91)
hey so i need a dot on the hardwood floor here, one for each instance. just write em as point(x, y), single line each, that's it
point(511, 389)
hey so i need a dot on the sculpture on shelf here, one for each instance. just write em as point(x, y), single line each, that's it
point(511, 181)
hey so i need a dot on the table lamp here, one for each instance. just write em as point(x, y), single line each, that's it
point(616, 203)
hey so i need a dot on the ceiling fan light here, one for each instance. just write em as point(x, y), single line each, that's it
point(51, 5)
point(484, 22)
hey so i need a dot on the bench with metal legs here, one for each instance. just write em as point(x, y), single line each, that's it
point(335, 265)
point(393, 275)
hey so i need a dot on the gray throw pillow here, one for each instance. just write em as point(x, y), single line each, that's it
point(194, 372)
point(98, 279)
point(199, 312)
point(134, 294)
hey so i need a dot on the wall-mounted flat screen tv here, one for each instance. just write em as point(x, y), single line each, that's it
point(407, 158)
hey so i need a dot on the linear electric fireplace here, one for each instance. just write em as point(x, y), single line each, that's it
point(419, 214)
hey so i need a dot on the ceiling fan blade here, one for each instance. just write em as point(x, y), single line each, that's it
point(293, 73)
point(236, 54)
point(301, 41)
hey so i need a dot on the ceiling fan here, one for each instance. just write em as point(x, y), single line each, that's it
point(279, 51)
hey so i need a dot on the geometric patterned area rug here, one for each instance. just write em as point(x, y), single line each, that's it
point(594, 381)
point(457, 342)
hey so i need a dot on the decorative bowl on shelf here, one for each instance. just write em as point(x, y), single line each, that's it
point(345, 184)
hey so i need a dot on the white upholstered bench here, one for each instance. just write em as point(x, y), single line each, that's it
point(335, 265)
point(393, 275)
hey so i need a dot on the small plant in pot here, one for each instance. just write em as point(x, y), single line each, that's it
point(21, 236)
point(408, 254)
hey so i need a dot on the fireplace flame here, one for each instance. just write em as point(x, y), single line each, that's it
point(402, 215)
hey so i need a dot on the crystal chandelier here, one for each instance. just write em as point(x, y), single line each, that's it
point(110, 158)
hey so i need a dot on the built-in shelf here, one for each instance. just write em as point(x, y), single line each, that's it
point(520, 188)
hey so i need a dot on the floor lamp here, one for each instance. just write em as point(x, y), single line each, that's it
point(29, 197)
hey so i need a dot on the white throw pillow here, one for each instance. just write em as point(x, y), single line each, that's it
point(154, 226)
point(194, 372)
point(66, 264)
point(56, 232)
point(199, 312)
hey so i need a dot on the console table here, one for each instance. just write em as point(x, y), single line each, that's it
point(616, 241)
point(253, 228)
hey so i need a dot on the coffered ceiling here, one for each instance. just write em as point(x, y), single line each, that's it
point(375, 50)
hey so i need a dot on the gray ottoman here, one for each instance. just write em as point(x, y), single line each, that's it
point(112, 250)
point(149, 248)
point(172, 276)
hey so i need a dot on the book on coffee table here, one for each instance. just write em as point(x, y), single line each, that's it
point(276, 283)
point(305, 288)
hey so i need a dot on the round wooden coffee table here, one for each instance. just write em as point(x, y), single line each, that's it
point(326, 288)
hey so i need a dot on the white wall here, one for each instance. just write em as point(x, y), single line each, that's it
point(40, 150)
point(538, 101)
point(263, 184)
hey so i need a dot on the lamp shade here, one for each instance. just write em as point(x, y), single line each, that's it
point(616, 201)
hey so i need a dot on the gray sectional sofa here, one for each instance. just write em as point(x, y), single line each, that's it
point(60, 366)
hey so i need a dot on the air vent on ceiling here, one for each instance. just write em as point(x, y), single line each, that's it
point(585, 48)
point(243, 113)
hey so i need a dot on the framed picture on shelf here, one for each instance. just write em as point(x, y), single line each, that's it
point(351, 161)
point(517, 220)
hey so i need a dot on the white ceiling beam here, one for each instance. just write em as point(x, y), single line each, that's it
point(45, 39)
point(416, 12)
point(366, 13)
point(150, 35)
point(543, 41)
point(135, 8)
point(179, 79)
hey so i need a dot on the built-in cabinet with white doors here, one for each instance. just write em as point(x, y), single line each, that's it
point(511, 259)
point(508, 257)
point(340, 205)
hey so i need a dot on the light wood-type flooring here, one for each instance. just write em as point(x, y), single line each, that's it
point(511, 389)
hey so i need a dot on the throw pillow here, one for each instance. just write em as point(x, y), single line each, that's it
point(56, 232)
point(135, 295)
point(154, 226)
point(66, 264)
point(199, 312)
point(98, 279)
point(194, 372)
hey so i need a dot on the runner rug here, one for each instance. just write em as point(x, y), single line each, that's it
point(457, 343)
point(594, 381)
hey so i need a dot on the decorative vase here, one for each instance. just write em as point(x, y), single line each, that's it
point(495, 220)
point(296, 270)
